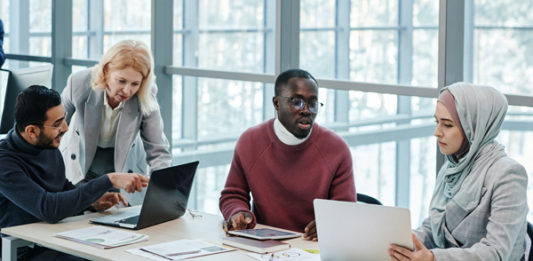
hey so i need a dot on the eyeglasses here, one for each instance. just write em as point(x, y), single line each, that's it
point(58, 128)
point(299, 103)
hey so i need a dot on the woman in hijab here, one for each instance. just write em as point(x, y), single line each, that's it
point(479, 206)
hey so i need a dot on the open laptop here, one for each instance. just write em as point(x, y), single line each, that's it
point(166, 199)
point(358, 231)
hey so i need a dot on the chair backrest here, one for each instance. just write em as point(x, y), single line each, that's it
point(367, 199)
point(529, 251)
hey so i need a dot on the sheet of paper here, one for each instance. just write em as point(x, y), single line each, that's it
point(293, 254)
point(179, 249)
point(102, 236)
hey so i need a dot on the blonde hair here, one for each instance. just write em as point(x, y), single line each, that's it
point(134, 54)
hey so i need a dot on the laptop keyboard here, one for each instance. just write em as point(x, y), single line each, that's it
point(131, 220)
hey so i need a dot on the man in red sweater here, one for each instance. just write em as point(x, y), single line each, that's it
point(287, 162)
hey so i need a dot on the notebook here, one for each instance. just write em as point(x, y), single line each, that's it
point(355, 231)
point(166, 199)
point(254, 245)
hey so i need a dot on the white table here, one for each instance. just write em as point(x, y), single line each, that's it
point(207, 227)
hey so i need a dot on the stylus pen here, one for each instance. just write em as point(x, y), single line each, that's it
point(168, 256)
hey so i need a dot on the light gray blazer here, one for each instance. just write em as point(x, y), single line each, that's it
point(84, 106)
point(496, 228)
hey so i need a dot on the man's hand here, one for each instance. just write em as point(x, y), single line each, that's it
point(108, 200)
point(130, 182)
point(310, 231)
point(421, 253)
point(240, 220)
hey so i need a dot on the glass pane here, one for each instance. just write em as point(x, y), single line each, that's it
point(374, 13)
point(178, 37)
point(41, 45)
point(368, 105)
point(502, 58)
point(231, 51)
point(374, 171)
point(79, 29)
point(40, 16)
point(326, 113)
point(516, 136)
point(110, 40)
point(423, 175)
point(231, 106)
point(519, 148)
point(177, 108)
point(127, 15)
point(317, 53)
point(178, 14)
point(425, 58)
point(79, 46)
point(38, 13)
point(126, 19)
point(178, 49)
point(317, 14)
point(230, 14)
point(503, 12)
point(209, 183)
point(79, 15)
point(374, 56)
point(425, 13)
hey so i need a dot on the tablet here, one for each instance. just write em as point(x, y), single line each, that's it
point(264, 233)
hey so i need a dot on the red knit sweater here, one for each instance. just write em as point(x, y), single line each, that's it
point(284, 180)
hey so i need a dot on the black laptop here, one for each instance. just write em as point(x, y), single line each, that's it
point(166, 199)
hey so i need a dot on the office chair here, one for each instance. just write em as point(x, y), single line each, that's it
point(529, 254)
point(369, 200)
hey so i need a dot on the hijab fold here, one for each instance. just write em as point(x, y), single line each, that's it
point(481, 111)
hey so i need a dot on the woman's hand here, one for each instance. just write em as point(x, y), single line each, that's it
point(421, 253)
point(130, 182)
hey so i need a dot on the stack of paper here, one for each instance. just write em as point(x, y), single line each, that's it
point(179, 249)
point(102, 237)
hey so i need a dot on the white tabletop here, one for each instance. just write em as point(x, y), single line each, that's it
point(207, 227)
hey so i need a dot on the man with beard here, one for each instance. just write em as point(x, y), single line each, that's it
point(287, 162)
point(33, 186)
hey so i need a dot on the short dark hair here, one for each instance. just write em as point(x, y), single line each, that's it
point(285, 76)
point(32, 104)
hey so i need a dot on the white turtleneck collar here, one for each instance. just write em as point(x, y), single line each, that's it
point(286, 136)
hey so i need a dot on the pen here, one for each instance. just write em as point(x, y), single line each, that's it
point(170, 255)
point(184, 253)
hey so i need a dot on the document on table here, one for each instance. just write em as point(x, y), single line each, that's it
point(293, 254)
point(102, 237)
point(178, 250)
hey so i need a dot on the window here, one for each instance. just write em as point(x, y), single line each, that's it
point(99, 24)
point(382, 42)
point(364, 53)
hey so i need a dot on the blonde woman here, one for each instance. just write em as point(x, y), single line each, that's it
point(114, 118)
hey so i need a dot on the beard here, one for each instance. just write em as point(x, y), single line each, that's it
point(46, 142)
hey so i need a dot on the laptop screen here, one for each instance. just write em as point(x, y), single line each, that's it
point(167, 194)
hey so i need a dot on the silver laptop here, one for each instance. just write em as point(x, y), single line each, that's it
point(358, 231)
point(166, 199)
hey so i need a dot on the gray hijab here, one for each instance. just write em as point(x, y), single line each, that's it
point(481, 112)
